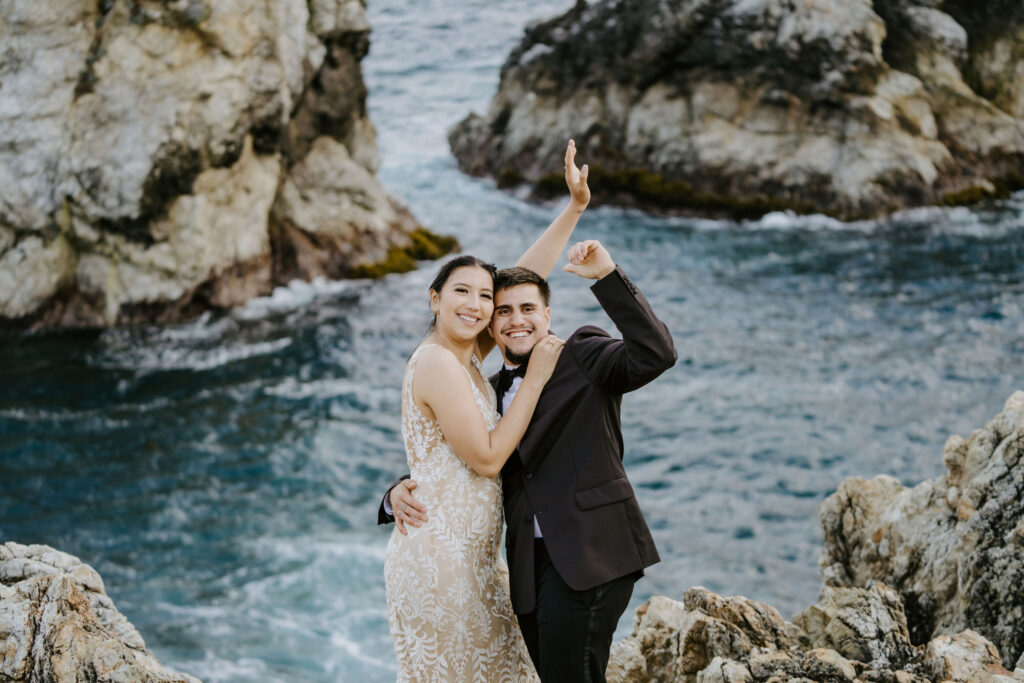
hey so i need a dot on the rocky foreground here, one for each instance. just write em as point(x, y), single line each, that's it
point(854, 108)
point(163, 157)
point(58, 625)
point(921, 584)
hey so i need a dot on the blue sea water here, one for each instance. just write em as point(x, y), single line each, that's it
point(224, 475)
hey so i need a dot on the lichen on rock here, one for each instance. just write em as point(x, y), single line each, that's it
point(57, 624)
point(953, 547)
point(852, 109)
point(154, 162)
point(921, 584)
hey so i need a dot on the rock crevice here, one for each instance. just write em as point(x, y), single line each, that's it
point(147, 160)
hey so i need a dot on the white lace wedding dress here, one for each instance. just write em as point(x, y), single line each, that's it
point(447, 585)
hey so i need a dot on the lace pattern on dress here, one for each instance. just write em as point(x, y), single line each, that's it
point(448, 599)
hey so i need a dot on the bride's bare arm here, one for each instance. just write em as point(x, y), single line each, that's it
point(441, 384)
point(543, 254)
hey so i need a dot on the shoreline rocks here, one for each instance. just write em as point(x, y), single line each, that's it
point(58, 624)
point(921, 584)
point(852, 109)
point(953, 547)
point(171, 157)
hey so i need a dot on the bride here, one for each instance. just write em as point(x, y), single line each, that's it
point(448, 600)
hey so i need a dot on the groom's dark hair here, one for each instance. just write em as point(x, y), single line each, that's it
point(517, 275)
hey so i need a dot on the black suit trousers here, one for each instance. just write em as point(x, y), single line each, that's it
point(570, 632)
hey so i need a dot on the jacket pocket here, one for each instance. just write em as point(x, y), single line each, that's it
point(603, 494)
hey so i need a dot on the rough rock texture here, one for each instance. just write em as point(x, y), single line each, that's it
point(952, 547)
point(921, 584)
point(170, 156)
point(851, 635)
point(849, 107)
point(57, 625)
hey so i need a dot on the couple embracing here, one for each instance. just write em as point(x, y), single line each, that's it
point(537, 447)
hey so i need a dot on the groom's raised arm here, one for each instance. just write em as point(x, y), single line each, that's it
point(646, 349)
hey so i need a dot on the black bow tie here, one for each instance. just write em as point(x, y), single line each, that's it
point(505, 377)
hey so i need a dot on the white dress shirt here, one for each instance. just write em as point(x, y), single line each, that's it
point(506, 401)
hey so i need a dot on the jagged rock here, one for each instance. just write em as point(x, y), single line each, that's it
point(964, 657)
point(59, 626)
point(330, 209)
point(673, 640)
point(853, 108)
point(145, 161)
point(852, 635)
point(868, 626)
point(953, 547)
point(724, 671)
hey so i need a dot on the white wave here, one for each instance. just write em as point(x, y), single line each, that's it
point(157, 358)
point(355, 650)
point(295, 295)
point(294, 388)
point(783, 220)
point(214, 669)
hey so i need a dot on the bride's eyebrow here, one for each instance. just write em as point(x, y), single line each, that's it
point(466, 284)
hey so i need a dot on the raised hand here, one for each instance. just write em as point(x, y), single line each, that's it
point(576, 178)
point(590, 260)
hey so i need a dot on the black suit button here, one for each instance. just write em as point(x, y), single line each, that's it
point(529, 475)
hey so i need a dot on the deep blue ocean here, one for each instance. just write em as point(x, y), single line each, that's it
point(224, 475)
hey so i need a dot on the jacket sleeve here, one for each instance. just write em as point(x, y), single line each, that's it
point(382, 514)
point(645, 350)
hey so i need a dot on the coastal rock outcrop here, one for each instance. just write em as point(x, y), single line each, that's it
point(853, 635)
point(953, 547)
point(57, 624)
point(852, 108)
point(921, 584)
point(161, 158)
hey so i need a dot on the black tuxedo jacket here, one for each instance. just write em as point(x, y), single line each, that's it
point(568, 468)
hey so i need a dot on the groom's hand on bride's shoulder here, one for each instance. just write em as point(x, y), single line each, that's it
point(407, 509)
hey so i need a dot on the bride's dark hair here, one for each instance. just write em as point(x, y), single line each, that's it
point(449, 267)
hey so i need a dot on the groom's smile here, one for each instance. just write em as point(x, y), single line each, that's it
point(520, 321)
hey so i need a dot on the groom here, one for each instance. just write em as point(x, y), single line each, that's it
point(576, 539)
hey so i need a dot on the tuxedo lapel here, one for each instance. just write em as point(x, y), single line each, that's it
point(496, 383)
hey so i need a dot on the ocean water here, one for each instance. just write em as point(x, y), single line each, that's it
point(224, 475)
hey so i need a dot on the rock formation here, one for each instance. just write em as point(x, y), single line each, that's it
point(848, 107)
point(953, 547)
point(59, 626)
point(921, 584)
point(852, 635)
point(162, 157)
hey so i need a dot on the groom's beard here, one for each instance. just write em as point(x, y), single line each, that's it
point(513, 358)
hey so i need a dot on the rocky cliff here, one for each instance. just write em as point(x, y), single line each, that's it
point(853, 108)
point(921, 584)
point(158, 158)
point(953, 547)
point(58, 625)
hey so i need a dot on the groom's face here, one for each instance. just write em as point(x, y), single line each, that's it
point(520, 320)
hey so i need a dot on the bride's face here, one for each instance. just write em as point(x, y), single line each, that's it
point(465, 303)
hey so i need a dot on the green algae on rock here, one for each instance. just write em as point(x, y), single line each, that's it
point(854, 109)
point(425, 246)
